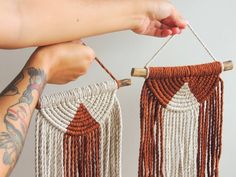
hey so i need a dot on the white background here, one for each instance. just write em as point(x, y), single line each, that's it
point(213, 20)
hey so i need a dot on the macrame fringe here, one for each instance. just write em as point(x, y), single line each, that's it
point(181, 122)
point(210, 133)
point(78, 133)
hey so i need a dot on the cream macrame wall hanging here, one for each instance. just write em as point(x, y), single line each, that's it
point(181, 119)
point(78, 132)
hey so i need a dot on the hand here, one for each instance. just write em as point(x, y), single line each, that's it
point(161, 20)
point(63, 62)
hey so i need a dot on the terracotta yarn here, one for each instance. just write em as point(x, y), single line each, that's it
point(78, 133)
point(181, 121)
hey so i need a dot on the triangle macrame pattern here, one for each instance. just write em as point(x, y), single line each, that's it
point(181, 121)
point(78, 133)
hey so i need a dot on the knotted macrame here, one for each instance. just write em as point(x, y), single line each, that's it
point(78, 133)
point(181, 121)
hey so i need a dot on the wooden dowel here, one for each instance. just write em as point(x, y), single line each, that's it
point(228, 65)
point(139, 72)
point(142, 72)
point(124, 82)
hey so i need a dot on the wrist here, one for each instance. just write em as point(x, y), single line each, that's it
point(139, 13)
point(36, 79)
point(40, 61)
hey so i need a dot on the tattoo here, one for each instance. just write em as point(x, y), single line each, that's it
point(15, 119)
point(11, 89)
point(36, 82)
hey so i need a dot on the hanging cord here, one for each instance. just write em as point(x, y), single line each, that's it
point(153, 57)
point(108, 72)
point(204, 45)
point(168, 40)
point(105, 68)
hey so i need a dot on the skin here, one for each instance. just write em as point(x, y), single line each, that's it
point(68, 61)
point(24, 24)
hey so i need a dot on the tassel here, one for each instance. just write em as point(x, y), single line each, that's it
point(181, 121)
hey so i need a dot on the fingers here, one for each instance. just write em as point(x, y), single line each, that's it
point(85, 57)
point(173, 21)
point(162, 30)
point(79, 63)
point(164, 20)
point(65, 62)
point(171, 24)
point(175, 30)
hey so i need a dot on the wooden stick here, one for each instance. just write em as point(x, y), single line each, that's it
point(143, 72)
point(139, 72)
point(124, 82)
point(228, 65)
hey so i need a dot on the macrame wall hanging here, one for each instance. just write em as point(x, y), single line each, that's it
point(78, 132)
point(181, 119)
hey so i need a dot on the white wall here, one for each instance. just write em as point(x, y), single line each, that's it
point(214, 22)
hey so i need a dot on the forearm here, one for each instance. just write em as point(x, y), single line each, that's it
point(17, 103)
point(54, 64)
point(46, 22)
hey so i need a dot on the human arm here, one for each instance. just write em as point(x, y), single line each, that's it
point(41, 22)
point(57, 64)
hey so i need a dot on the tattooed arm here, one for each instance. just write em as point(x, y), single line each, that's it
point(57, 64)
point(19, 100)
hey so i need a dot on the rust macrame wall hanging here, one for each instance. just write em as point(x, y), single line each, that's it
point(181, 119)
point(78, 132)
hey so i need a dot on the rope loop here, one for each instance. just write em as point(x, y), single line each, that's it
point(169, 39)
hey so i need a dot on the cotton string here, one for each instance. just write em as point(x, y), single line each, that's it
point(168, 40)
point(105, 68)
point(181, 112)
point(78, 133)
